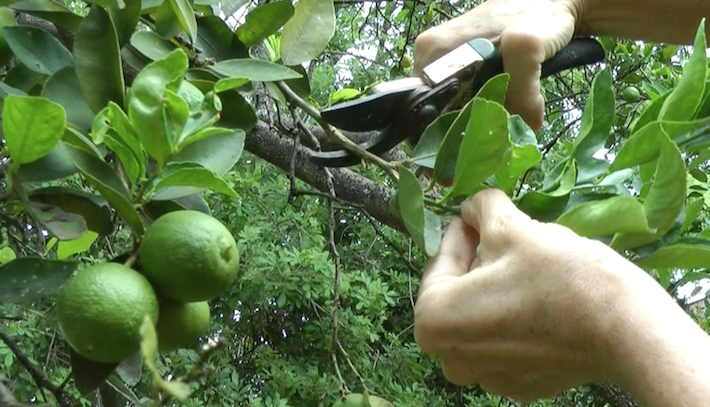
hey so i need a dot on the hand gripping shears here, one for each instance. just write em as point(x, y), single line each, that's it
point(402, 109)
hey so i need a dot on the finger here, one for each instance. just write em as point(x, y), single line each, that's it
point(525, 44)
point(456, 253)
point(494, 216)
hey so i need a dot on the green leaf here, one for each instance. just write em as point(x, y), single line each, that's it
point(308, 32)
point(606, 217)
point(7, 255)
point(155, 209)
point(686, 97)
point(229, 84)
point(53, 166)
point(60, 224)
point(422, 227)
point(149, 350)
point(425, 152)
point(126, 156)
point(236, 111)
point(151, 45)
point(345, 94)
point(677, 256)
point(445, 164)
point(186, 174)
point(63, 87)
point(125, 20)
point(68, 248)
point(483, 146)
point(692, 210)
point(644, 145)
point(130, 370)
point(37, 49)
point(217, 40)
point(22, 78)
point(88, 375)
point(597, 121)
point(97, 57)
point(263, 21)
point(651, 113)
point(93, 208)
point(186, 17)
point(254, 69)
point(664, 200)
point(495, 89)
point(145, 107)
point(167, 24)
point(52, 11)
point(32, 126)
point(218, 153)
point(28, 279)
point(522, 154)
point(548, 206)
point(108, 183)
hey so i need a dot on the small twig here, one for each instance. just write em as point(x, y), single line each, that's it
point(352, 367)
point(548, 147)
point(334, 133)
point(40, 381)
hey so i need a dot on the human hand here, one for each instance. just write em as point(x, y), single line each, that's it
point(526, 32)
point(535, 313)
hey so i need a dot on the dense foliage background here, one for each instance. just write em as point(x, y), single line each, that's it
point(329, 270)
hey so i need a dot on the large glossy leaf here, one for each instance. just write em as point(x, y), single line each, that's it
point(445, 163)
point(678, 256)
point(597, 120)
point(93, 208)
point(29, 279)
point(607, 217)
point(105, 179)
point(483, 146)
point(156, 208)
point(423, 227)
point(125, 20)
point(263, 21)
point(63, 87)
point(424, 153)
point(146, 103)
point(644, 145)
point(186, 174)
point(37, 49)
point(686, 97)
point(167, 23)
point(254, 69)
point(97, 59)
point(53, 166)
point(665, 198)
point(218, 154)
point(494, 89)
point(151, 45)
point(89, 375)
point(53, 11)
point(692, 210)
point(522, 154)
point(217, 40)
point(236, 111)
point(308, 32)
point(22, 78)
point(68, 248)
point(186, 17)
point(548, 204)
point(32, 126)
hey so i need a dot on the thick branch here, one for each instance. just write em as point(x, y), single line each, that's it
point(266, 144)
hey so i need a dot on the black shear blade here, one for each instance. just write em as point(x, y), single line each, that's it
point(374, 111)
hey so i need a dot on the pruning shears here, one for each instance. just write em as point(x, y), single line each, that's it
point(402, 109)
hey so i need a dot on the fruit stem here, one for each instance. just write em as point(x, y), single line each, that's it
point(131, 259)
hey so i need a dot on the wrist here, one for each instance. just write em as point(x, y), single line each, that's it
point(655, 21)
point(652, 348)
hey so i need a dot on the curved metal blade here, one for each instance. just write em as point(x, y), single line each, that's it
point(374, 111)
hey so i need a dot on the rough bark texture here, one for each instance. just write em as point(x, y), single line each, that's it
point(268, 145)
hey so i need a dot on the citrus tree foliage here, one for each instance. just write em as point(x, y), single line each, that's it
point(115, 112)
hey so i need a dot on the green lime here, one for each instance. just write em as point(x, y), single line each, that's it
point(181, 323)
point(101, 310)
point(351, 400)
point(189, 256)
point(631, 94)
point(406, 61)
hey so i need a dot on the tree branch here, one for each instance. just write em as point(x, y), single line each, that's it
point(267, 144)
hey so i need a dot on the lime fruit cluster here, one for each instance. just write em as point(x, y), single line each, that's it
point(187, 258)
point(358, 400)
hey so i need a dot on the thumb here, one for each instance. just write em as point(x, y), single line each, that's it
point(494, 216)
point(524, 45)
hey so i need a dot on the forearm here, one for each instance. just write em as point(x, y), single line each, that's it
point(659, 353)
point(666, 21)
